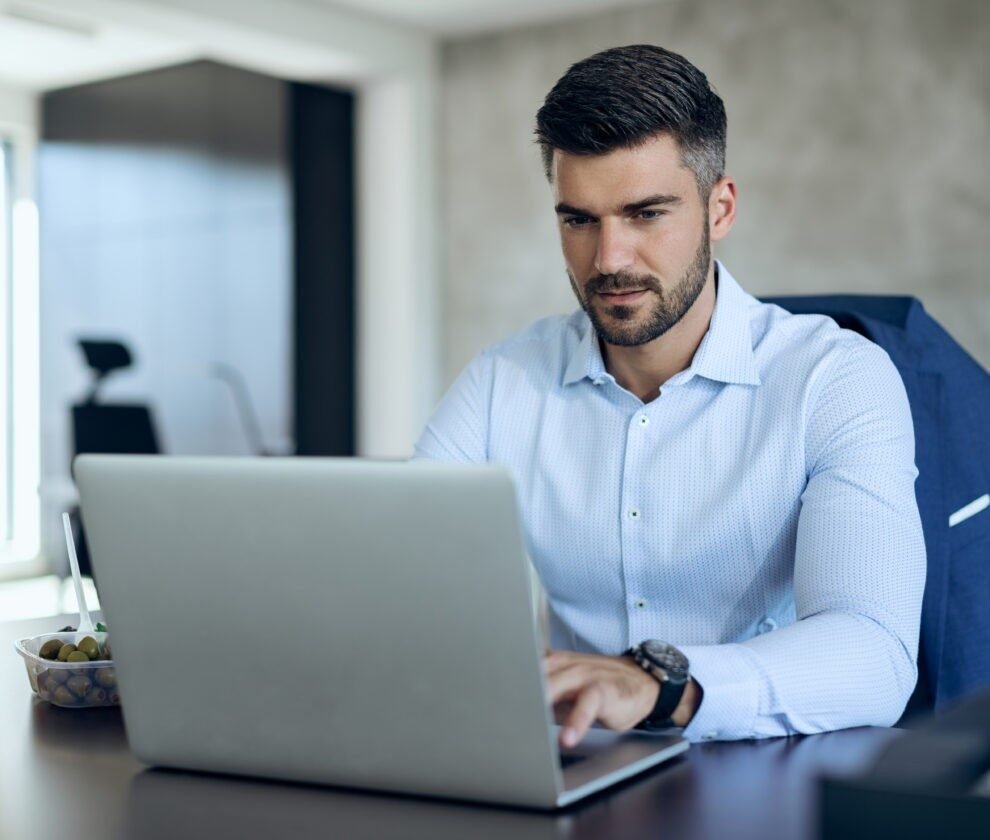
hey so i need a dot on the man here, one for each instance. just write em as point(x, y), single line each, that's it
point(718, 496)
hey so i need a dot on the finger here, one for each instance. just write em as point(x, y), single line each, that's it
point(561, 710)
point(585, 712)
point(567, 683)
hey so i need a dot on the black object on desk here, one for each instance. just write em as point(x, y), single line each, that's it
point(921, 785)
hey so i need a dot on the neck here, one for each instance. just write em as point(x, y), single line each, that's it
point(644, 369)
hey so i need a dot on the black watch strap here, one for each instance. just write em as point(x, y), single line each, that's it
point(659, 718)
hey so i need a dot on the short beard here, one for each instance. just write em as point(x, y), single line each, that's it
point(668, 310)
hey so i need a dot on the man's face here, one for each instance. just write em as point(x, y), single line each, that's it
point(635, 238)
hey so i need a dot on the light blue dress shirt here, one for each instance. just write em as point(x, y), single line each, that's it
point(759, 512)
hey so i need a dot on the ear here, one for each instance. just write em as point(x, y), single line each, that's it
point(722, 208)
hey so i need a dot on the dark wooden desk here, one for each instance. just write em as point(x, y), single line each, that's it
point(68, 774)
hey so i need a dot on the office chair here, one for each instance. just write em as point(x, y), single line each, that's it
point(120, 428)
point(949, 393)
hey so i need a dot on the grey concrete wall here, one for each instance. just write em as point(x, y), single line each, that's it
point(858, 134)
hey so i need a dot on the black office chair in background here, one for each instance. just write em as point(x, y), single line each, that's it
point(120, 428)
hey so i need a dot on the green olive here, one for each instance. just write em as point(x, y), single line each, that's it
point(63, 697)
point(57, 675)
point(50, 649)
point(65, 650)
point(90, 647)
point(42, 680)
point(80, 686)
point(77, 656)
point(106, 677)
point(96, 697)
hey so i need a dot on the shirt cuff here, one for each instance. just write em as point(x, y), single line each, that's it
point(730, 683)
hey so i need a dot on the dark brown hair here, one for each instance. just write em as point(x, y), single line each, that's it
point(623, 96)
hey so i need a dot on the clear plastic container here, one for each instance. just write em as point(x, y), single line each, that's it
point(73, 685)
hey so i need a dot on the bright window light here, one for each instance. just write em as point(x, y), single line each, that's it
point(26, 380)
point(6, 468)
point(20, 427)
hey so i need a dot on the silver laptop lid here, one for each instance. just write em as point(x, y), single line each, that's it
point(325, 620)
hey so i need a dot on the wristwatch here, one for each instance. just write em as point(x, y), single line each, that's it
point(669, 667)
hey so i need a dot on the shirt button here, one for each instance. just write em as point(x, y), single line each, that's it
point(767, 625)
point(640, 603)
point(599, 381)
point(709, 736)
point(633, 513)
point(644, 420)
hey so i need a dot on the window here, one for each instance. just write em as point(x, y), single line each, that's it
point(6, 444)
point(20, 472)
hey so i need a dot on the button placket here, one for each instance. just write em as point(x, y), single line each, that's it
point(631, 529)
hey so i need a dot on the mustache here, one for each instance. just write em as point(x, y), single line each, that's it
point(622, 282)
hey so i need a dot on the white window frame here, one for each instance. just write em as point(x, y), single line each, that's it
point(20, 416)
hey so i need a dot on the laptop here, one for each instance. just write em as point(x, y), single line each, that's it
point(335, 621)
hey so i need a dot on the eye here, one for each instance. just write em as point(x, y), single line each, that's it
point(576, 221)
point(650, 215)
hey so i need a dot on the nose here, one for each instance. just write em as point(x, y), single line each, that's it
point(615, 250)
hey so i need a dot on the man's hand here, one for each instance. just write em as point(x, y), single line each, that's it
point(585, 688)
point(612, 689)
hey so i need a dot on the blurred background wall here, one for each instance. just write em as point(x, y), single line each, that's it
point(858, 135)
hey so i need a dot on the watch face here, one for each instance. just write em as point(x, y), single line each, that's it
point(667, 657)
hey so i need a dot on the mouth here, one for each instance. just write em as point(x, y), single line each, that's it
point(624, 297)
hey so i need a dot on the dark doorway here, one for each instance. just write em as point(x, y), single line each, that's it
point(323, 187)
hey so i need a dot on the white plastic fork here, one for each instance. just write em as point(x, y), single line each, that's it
point(86, 627)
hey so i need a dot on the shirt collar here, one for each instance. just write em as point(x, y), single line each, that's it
point(724, 355)
point(726, 352)
point(586, 359)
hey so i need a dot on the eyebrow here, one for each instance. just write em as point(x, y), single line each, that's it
point(632, 207)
